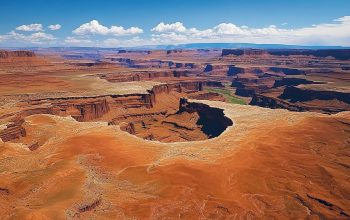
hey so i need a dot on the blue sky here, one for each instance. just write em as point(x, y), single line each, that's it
point(109, 23)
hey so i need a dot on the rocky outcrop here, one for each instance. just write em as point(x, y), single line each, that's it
point(89, 207)
point(34, 146)
point(4, 191)
point(124, 110)
point(80, 108)
point(190, 65)
point(178, 65)
point(213, 96)
point(240, 52)
point(233, 70)
point(340, 54)
point(291, 82)
point(170, 63)
point(249, 86)
point(135, 51)
point(168, 52)
point(182, 87)
point(91, 64)
point(18, 53)
point(126, 61)
point(217, 69)
point(13, 130)
point(208, 68)
point(213, 84)
point(128, 127)
point(287, 71)
point(91, 110)
point(94, 108)
point(93, 56)
point(192, 86)
point(271, 102)
point(144, 75)
point(180, 73)
point(297, 99)
point(245, 92)
point(295, 94)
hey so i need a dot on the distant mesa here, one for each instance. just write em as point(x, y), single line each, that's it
point(340, 54)
point(19, 53)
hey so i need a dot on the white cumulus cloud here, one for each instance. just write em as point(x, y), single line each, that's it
point(94, 27)
point(335, 32)
point(229, 29)
point(34, 38)
point(54, 27)
point(30, 27)
point(40, 36)
point(332, 33)
point(174, 27)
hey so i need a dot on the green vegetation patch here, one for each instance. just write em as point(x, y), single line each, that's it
point(228, 95)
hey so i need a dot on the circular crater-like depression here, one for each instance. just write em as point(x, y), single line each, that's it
point(192, 122)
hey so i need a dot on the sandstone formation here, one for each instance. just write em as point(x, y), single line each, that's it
point(20, 53)
point(132, 134)
point(341, 54)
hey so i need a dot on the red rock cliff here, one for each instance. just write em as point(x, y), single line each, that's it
point(18, 53)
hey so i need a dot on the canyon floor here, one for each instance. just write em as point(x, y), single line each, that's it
point(177, 134)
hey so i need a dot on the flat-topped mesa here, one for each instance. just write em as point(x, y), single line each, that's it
point(19, 53)
point(339, 54)
point(249, 86)
point(233, 70)
point(296, 94)
point(161, 98)
point(213, 84)
point(222, 70)
point(213, 96)
point(173, 51)
point(181, 87)
point(141, 63)
point(287, 71)
point(274, 103)
point(124, 61)
point(303, 99)
point(144, 75)
point(240, 52)
point(22, 62)
point(91, 64)
point(292, 82)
